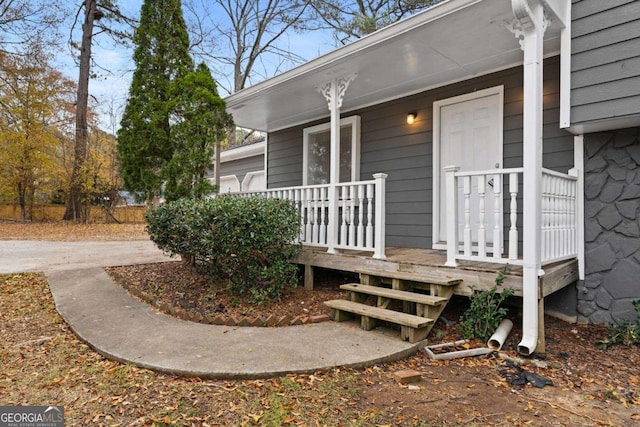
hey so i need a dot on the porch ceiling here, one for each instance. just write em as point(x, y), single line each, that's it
point(453, 41)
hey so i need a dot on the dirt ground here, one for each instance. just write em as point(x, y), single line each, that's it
point(174, 285)
point(44, 363)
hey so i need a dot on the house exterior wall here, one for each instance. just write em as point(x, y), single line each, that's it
point(612, 226)
point(605, 62)
point(405, 152)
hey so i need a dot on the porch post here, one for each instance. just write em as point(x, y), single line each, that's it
point(380, 201)
point(333, 93)
point(533, 22)
point(451, 197)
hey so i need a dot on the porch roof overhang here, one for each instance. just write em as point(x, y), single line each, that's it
point(453, 41)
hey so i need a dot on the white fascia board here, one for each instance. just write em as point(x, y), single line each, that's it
point(243, 152)
point(438, 11)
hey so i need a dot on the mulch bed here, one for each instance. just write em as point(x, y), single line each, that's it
point(179, 290)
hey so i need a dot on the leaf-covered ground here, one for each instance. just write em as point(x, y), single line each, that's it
point(44, 363)
point(70, 231)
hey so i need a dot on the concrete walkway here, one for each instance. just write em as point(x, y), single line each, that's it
point(122, 328)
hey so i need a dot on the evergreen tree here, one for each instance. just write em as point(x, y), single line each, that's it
point(198, 121)
point(161, 56)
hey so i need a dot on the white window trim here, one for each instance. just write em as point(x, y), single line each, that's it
point(229, 178)
point(354, 121)
point(437, 241)
point(249, 177)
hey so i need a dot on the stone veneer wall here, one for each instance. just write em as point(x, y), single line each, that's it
point(612, 227)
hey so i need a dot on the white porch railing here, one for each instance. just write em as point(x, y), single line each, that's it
point(360, 215)
point(559, 238)
point(475, 230)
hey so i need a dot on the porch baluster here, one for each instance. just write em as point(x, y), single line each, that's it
point(309, 215)
point(352, 215)
point(513, 215)
point(482, 237)
point(548, 224)
point(298, 197)
point(343, 206)
point(557, 219)
point(497, 201)
point(323, 216)
point(569, 212)
point(548, 220)
point(466, 188)
point(566, 213)
point(315, 215)
point(360, 215)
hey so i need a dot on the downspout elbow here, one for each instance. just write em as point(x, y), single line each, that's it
point(528, 344)
point(530, 307)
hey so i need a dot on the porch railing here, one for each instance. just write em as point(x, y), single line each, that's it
point(357, 222)
point(559, 238)
point(478, 229)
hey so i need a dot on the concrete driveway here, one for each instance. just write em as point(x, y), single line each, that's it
point(29, 255)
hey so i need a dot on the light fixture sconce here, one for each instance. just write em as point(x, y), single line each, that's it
point(411, 118)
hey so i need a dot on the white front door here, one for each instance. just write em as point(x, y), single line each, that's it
point(468, 134)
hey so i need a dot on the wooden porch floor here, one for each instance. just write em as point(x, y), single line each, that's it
point(480, 275)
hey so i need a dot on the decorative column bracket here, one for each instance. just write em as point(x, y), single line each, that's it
point(334, 90)
point(518, 27)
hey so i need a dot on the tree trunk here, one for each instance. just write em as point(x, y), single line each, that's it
point(216, 167)
point(22, 201)
point(73, 209)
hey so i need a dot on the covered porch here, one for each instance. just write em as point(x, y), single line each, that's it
point(526, 216)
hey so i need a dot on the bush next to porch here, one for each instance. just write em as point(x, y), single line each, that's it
point(246, 241)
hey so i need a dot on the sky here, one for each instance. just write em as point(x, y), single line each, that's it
point(115, 65)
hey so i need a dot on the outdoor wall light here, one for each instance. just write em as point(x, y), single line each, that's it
point(411, 118)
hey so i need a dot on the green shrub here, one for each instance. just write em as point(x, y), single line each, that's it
point(176, 228)
point(247, 241)
point(485, 313)
point(626, 333)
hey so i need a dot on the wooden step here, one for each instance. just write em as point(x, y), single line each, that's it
point(394, 294)
point(435, 279)
point(412, 328)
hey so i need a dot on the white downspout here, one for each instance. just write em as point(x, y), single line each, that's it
point(578, 162)
point(532, 20)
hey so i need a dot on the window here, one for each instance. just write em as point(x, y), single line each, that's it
point(317, 150)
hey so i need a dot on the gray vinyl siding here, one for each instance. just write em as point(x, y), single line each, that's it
point(284, 161)
point(405, 152)
point(605, 60)
point(241, 167)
